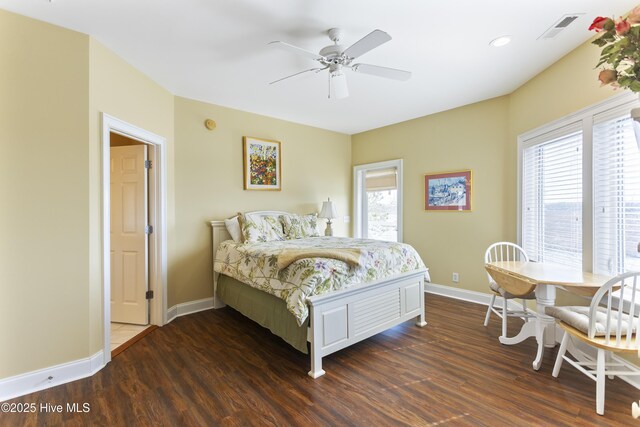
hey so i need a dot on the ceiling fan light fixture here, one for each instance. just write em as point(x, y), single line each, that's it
point(338, 85)
point(500, 41)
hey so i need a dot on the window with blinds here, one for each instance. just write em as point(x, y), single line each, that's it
point(616, 194)
point(552, 197)
point(382, 204)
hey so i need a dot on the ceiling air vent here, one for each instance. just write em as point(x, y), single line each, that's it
point(560, 25)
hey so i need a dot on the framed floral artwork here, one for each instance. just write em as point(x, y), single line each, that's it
point(262, 164)
point(448, 191)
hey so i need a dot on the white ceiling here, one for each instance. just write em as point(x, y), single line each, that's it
point(216, 51)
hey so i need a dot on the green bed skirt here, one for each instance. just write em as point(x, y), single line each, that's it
point(265, 309)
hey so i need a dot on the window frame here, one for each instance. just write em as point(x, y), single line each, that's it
point(584, 118)
point(359, 195)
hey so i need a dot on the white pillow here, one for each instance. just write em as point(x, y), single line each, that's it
point(233, 227)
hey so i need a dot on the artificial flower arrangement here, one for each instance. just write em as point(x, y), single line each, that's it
point(621, 54)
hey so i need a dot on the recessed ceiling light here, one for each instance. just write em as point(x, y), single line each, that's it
point(500, 41)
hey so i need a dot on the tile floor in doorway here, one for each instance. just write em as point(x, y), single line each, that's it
point(123, 332)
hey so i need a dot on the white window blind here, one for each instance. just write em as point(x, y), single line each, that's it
point(616, 194)
point(552, 197)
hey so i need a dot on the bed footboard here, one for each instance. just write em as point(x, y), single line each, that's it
point(343, 318)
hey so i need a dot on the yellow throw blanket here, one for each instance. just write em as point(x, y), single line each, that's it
point(288, 256)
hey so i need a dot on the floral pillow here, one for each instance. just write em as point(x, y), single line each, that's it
point(300, 226)
point(261, 228)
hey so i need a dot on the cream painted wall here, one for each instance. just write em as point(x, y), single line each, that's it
point(316, 164)
point(565, 87)
point(44, 214)
point(471, 137)
point(118, 89)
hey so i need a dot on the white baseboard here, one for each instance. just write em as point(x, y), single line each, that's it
point(466, 295)
point(52, 376)
point(172, 313)
point(189, 308)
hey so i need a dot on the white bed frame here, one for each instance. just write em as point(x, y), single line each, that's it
point(343, 318)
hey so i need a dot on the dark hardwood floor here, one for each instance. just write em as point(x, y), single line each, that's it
point(218, 368)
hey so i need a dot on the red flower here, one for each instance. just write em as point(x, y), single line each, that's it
point(622, 26)
point(599, 23)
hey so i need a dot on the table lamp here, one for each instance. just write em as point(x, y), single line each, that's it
point(329, 212)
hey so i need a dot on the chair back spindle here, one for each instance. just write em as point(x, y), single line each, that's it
point(622, 318)
point(504, 251)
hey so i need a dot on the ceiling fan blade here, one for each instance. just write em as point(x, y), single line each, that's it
point(368, 42)
point(338, 85)
point(317, 70)
point(297, 50)
point(376, 70)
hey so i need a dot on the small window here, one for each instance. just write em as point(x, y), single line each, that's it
point(378, 201)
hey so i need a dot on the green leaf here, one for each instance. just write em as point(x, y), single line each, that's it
point(625, 81)
point(613, 49)
point(599, 42)
point(608, 49)
point(635, 86)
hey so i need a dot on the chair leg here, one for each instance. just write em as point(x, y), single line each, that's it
point(607, 360)
point(561, 352)
point(486, 318)
point(600, 379)
point(504, 317)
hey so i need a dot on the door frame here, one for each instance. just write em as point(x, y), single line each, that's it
point(359, 193)
point(157, 217)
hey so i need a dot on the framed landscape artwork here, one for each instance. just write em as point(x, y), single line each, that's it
point(448, 191)
point(262, 164)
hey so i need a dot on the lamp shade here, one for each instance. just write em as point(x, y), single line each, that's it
point(328, 210)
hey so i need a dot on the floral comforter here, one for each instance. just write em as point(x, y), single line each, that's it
point(256, 265)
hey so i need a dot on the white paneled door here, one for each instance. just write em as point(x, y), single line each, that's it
point(129, 243)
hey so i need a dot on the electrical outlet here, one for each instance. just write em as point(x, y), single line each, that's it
point(346, 219)
point(455, 278)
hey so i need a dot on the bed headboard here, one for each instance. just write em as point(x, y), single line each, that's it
point(219, 234)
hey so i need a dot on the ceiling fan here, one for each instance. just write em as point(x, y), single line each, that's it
point(336, 59)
